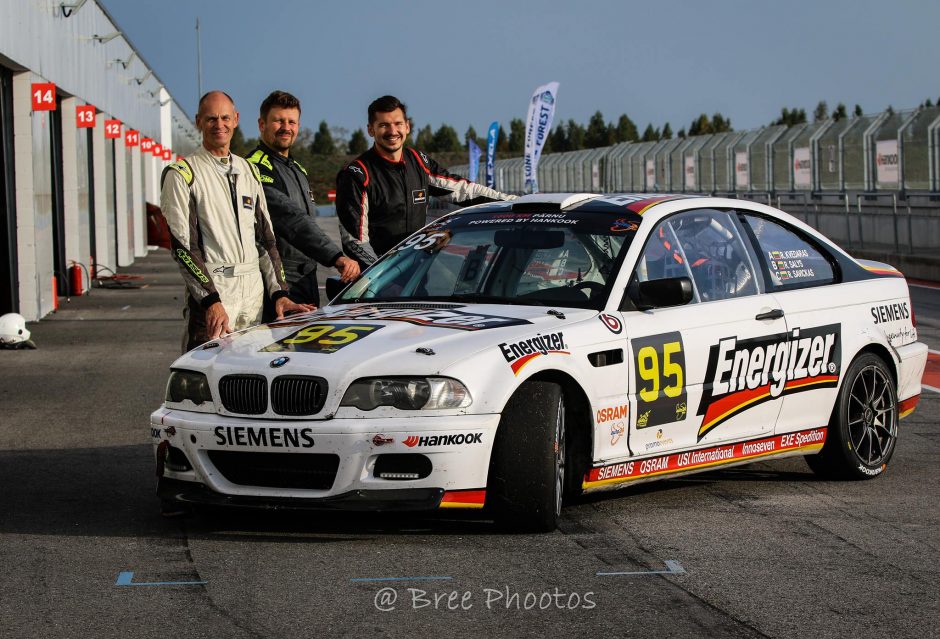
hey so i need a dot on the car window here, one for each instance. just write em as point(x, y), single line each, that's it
point(790, 260)
point(510, 258)
point(705, 246)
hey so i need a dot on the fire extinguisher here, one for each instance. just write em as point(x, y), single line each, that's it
point(75, 280)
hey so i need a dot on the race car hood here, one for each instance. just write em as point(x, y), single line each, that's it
point(376, 339)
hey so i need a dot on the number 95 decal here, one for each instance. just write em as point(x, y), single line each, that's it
point(659, 364)
point(322, 338)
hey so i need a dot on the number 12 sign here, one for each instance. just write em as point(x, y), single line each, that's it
point(43, 96)
point(112, 129)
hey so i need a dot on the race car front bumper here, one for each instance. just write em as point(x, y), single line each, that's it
point(414, 463)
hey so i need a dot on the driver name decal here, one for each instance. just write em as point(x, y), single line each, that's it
point(748, 372)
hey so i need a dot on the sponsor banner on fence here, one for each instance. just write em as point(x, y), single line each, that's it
point(538, 125)
point(886, 162)
point(742, 173)
point(650, 175)
point(802, 168)
point(690, 171)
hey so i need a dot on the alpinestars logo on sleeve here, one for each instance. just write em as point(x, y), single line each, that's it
point(745, 373)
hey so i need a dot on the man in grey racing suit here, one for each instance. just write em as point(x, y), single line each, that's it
point(221, 232)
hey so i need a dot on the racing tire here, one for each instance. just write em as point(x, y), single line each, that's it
point(527, 469)
point(864, 426)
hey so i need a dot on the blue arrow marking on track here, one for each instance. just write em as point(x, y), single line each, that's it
point(127, 579)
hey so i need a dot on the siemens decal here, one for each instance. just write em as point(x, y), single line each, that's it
point(745, 373)
point(263, 437)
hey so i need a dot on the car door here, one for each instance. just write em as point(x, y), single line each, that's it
point(802, 274)
point(698, 370)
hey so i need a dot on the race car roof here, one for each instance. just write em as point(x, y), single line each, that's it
point(637, 203)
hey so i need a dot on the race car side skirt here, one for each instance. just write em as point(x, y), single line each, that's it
point(611, 476)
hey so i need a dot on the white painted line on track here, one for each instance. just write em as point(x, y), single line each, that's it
point(674, 568)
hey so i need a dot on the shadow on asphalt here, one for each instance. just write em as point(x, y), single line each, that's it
point(109, 492)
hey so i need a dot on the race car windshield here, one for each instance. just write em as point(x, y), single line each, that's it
point(530, 259)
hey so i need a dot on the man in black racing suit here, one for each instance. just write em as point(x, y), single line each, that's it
point(300, 241)
point(382, 196)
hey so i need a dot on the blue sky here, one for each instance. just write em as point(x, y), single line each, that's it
point(470, 63)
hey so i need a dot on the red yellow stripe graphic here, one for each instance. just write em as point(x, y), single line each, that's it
point(730, 405)
point(520, 363)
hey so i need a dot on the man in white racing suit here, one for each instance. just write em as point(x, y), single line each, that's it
point(221, 232)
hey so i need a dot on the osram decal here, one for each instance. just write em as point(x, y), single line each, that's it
point(520, 353)
point(745, 373)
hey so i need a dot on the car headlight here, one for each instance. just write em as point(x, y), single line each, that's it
point(189, 385)
point(407, 393)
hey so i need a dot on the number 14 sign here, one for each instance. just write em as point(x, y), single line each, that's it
point(43, 96)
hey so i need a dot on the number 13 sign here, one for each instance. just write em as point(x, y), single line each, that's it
point(85, 116)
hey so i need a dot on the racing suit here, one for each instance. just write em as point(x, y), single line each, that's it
point(222, 238)
point(301, 243)
point(380, 202)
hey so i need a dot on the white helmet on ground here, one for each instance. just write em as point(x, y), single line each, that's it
point(13, 329)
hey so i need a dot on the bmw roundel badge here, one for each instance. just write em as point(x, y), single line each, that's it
point(277, 362)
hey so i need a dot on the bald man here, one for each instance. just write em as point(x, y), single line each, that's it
point(221, 232)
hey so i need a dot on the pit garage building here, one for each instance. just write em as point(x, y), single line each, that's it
point(87, 127)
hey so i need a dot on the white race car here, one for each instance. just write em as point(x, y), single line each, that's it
point(516, 354)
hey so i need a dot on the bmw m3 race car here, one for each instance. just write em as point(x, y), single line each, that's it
point(517, 354)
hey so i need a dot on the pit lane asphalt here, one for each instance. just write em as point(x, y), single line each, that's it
point(767, 549)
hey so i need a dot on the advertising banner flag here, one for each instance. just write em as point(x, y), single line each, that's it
point(491, 136)
point(538, 124)
point(475, 154)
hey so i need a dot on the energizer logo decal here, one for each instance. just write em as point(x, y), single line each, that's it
point(744, 373)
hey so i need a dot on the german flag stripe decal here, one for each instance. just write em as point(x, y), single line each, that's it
point(907, 406)
point(474, 498)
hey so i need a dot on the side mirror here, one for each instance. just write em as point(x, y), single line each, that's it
point(671, 291)
point(334, 286)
